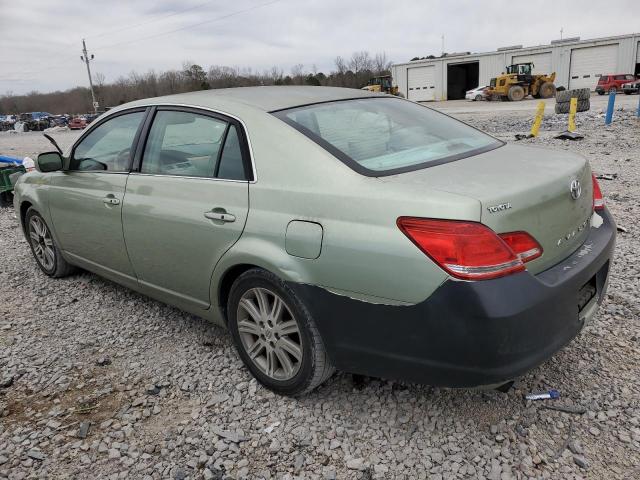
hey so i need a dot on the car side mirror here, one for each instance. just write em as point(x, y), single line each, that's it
point(49, 162)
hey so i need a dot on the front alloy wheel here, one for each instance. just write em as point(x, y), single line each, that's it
point(44, 247)
point(42, 243)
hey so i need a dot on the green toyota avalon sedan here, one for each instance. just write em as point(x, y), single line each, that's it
point(331, 228)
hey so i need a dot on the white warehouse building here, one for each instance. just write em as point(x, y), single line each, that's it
point(577, 63)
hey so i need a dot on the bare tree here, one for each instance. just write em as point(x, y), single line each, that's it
point(381, 64)
point(353, 73)
point(341, 65)
point(297, 74)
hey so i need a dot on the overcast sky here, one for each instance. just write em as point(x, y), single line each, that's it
point(40, 40)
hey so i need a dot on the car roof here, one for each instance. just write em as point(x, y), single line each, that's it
point(267, 99)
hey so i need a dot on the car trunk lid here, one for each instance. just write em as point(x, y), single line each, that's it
point(523, 189)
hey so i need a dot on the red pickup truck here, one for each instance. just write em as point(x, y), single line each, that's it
point(607, 83)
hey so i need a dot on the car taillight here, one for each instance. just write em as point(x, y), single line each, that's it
point(598, 199)
point(466, 250)
point(523, 245)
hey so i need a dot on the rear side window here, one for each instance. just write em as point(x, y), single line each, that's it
point(381, 136)
point(231, 166)
point(108, 146)
point(193, 145)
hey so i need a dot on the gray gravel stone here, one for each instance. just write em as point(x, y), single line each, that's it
point(85, 342)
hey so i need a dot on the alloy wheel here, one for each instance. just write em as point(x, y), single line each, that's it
point(42, 243)
point(269, 334)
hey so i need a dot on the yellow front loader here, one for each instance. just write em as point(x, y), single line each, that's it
point(519, 82)
point(381, 84)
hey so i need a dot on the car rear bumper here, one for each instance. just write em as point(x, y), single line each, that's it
point(468, 333)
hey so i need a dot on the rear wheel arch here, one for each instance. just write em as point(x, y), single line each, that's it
point(244, 256)
point(226, 282)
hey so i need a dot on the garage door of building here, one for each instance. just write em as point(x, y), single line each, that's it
point(541, 61)
point(589, 63)
point(421, 83)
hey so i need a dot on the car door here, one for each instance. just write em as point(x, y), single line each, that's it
point(186, 203)
point(85, 199)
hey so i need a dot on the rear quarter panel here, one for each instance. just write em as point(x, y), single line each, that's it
point(363, 255)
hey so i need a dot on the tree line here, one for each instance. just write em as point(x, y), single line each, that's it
point(353, 72)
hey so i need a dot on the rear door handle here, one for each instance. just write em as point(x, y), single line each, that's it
point(220, 216)
point(111, 200)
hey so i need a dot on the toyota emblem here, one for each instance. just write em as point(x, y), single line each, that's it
point(576, 189)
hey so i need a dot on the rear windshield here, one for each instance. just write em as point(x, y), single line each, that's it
point(382, 136)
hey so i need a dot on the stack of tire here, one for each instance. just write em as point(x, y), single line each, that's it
point(563, 100)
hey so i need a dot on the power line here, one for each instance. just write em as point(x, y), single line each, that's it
point(151, 20)
point(60, 63)
point(193, 25)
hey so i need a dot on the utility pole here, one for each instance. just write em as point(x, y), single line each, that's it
point(561, 32)
point(442, 44)
point(85, 58)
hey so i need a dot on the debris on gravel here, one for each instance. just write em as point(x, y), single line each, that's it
point(97, 381)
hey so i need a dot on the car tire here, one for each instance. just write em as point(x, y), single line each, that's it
point(43, 246)
point(600, 93)
point(478, 98)
point(283, 351)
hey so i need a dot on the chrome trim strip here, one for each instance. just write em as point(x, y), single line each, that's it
point(188, 177)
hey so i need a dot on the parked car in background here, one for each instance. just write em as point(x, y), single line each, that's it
point(477, 94)
point(631, 87)
point(91, 117)
point(60, 120)
point(331, 228)
point(608, 83)
point(77, 123)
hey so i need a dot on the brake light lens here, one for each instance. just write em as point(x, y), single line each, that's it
point(465, 250)
point(598, 199)
point(523, 245)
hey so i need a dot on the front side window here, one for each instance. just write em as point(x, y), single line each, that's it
point(108, 147)
point(188, 144)
point(387, 135)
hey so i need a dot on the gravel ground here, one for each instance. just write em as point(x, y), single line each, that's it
point(99, 382)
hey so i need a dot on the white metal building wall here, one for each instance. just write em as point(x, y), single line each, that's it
point(493, 63)
point(490, 66)
point(541, 61)
point(589, 63)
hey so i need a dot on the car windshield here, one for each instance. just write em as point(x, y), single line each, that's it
point(387, 135)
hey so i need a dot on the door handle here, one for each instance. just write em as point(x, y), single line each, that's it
point(111, 200)
point(220, 216)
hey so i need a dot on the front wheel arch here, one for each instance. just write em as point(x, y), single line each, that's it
point(24, 207)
